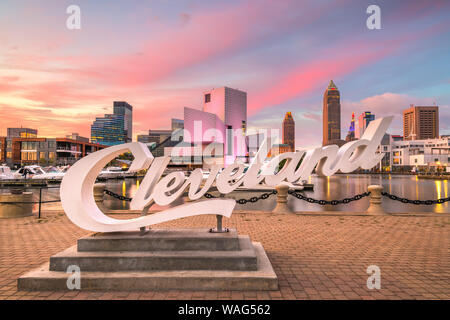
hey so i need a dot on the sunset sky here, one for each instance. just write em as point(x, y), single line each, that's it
point(160, 56)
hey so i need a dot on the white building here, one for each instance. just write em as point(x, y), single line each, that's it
point(415, 154)
point(225, 110)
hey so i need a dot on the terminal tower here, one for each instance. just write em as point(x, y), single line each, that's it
point(332, 116)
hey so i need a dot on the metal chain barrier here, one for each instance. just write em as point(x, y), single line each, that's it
point(244, 201)
point(309, 199)
point(328, 202)
point(117, 196)
point(416, 202)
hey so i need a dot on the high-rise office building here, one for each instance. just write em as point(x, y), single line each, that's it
point(114, 128)
point(109, 130)
point(421, 122)
point(351, 130)
point(331, 115)
point(289, 131)
point(362, 123)
point(123, 108)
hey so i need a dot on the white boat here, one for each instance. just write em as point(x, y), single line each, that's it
point(50, 173)
point(32, 171)
point(111, 173)
point(5, 173)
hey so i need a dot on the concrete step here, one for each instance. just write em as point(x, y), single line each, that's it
point(244, 259)
point(161, 240)
point(264, 278)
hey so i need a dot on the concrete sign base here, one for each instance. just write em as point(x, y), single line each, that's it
point(183, 259)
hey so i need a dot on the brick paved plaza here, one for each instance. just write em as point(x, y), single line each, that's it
point(315, 256)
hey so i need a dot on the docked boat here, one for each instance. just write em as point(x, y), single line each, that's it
point(111, 173)
point(5, 173)
point(31, 171)
point(51, 173)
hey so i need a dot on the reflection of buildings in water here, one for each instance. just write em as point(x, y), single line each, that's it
point(336, 187)
point(403, 188)
point(445, 182)
point(438, 189)
point(124, 193)
point(330, 187)
point(417, 187)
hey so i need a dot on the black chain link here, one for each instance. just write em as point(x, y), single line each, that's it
point(117, 196)
point(244, 201)
point(328, 202)
point(309, 199)
point(416, 202)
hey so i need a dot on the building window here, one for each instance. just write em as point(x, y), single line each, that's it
point(51, 155)
point(29, 145)
point(207, 97)
point(26, 155)
point(9, 155)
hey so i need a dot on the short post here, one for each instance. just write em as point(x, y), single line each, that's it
point(375, 206)
point(219, 228)
point(282, 193)
point(99, 191)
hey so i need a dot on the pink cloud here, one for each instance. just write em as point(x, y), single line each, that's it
point(314, 74)
point(205, 35)
point(335, 62)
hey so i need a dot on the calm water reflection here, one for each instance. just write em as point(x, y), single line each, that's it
point(329, 188)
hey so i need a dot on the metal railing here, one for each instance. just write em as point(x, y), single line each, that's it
point(39, 201)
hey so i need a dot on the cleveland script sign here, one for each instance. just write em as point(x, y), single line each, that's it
point(77, 186)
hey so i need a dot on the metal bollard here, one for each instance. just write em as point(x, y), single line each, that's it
point(375, 206)
point(99, 191)
point(282, 193)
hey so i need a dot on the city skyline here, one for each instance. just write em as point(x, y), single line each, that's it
point(61, 81)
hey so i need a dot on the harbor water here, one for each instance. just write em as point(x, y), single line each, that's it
point(327, 188)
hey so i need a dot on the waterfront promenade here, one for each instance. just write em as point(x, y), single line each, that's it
point(315, 255)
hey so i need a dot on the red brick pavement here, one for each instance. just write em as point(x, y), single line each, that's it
point(315, 257)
